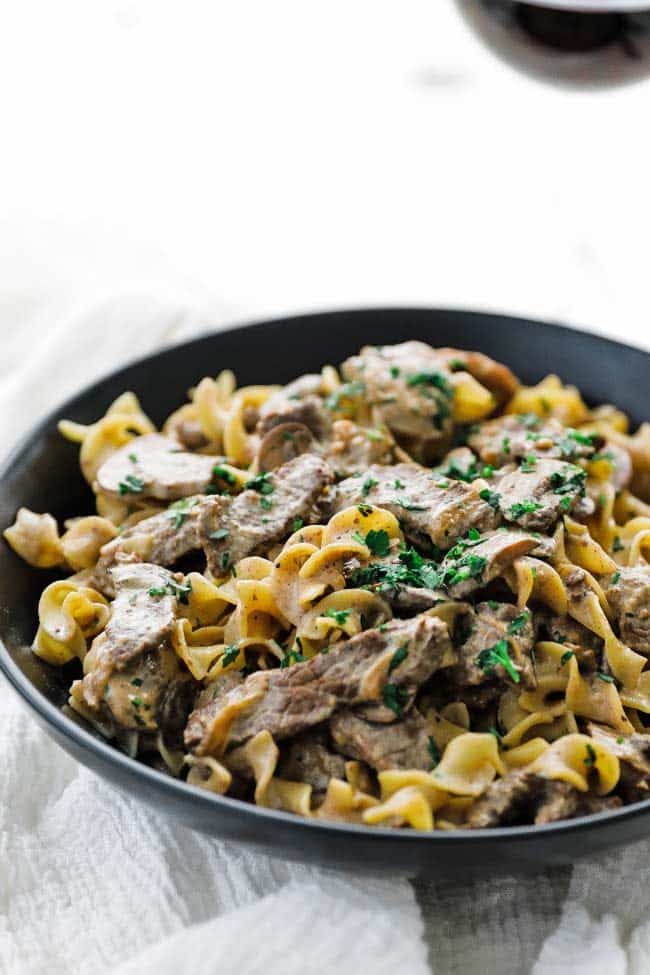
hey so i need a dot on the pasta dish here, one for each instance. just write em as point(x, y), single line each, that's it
point(408, 592)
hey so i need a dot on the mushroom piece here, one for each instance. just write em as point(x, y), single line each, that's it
point(283, 443)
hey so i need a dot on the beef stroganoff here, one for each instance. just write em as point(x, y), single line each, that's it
point(409, 592)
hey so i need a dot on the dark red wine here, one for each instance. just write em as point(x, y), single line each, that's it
point(561, 41)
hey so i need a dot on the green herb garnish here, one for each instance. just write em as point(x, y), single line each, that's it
point(131, 485)
point(496, 656)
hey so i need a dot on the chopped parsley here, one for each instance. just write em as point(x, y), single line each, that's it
point(496, 656)
point(570, 481)
point(564, 659)
point(434, 751)
point(606, 677)
point(617, 545)
point(179, 510)
point(340, 616)
point(408, 505)
point(230, 655)
point(398, 657)
point(615, 578)
point(298, 524)
point(435, 379)
point(181, 590)
point(603, 455)
point(368, 485)
point(261, 483)
point(469, 474)
point(225, 560)
point(364, 509)
point(378, 542)
point(519, 622)
point(505, 445)
point(133, 458)
point(346, 391)
point(457, 365)
point(411, 570)
point(398, 484)
point(528, 464)
point(566, 502)
point(292, 657)
point(525, 507)
point(137, 681)
point(395, 698)
point(491, 497)
point(496, 734)
point(131, 485)
point(394, 371)
point(265, 503)
point(224, 474)
point(219, 534)
point(591, 757)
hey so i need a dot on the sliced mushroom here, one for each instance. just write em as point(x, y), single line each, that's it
point(283, 443)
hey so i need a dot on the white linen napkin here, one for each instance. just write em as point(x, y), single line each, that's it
point(92, 881)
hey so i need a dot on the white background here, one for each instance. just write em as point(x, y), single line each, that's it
point(256, 158)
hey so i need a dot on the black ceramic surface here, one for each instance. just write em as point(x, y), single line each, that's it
point(43, 474)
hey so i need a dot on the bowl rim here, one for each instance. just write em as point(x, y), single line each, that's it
point(159, 781)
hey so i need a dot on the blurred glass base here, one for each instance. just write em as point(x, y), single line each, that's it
point(574, 43)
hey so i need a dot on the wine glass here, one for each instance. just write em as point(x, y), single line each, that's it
point(578, 43)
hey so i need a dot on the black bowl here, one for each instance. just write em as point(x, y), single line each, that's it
point(43, 474)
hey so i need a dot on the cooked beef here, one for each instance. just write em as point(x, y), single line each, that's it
point(478, 679)
point(404, 744)
point(461, 464)
point(486, 559)
point(310, 411)
point(523, 797)
point(629, 597)
point(283, 443)
point(140, 621)
point(633, 752)
point(510, 438)
point(232, 528)
point(564, 629)
point(537, 495)
point(351, 449)
point(153, 466)
point(430, 510)
point(153, 692)
point(363, 669)
point(412, 389)
point(408, 599)
point(163, 538)
point(308, 759)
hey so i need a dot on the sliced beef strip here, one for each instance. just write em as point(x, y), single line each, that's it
point(307, 758)
point(584, 643)
point(523, 797)
point(163, 539)
point(633, 752)
point(401, 745)
point(308, 410)
point(139, 622)
point(461, 464)
point(154, 466)
point(484, 561)
point(629, 597)
point(299, 697)
point(537, 498)
point(510, 438)
point(480, 630)
point(430, 514)
point(351, 449)
point(417, 413)
point(253, 521)
point(153, 692)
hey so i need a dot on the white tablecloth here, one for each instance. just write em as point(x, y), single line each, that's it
point(168, 167)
